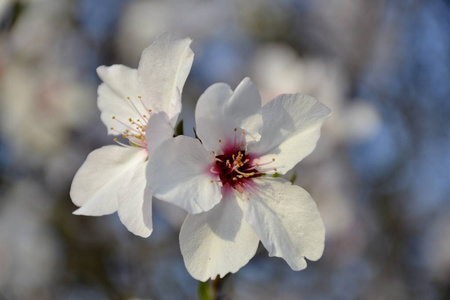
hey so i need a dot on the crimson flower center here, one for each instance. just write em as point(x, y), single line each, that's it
point(235, 169)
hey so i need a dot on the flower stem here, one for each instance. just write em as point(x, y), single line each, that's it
point(209, 290)
point(204, 291)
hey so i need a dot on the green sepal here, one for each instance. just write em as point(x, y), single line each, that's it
point(293, 177)
point(179, 129)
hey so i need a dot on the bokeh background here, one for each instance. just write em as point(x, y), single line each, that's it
point(380, 173)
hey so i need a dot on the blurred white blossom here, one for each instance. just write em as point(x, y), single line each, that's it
point(40, 105)
point(29, 252)
point(142, 21)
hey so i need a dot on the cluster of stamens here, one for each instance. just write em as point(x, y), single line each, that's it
point(236, 168)
point(134, 128)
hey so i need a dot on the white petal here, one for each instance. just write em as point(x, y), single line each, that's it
point(120, 82)
point(163, 69)
point(287, 221)
point(217, 242)
point(96, 185)
point(291, 128)
point(158, 130)
point(178, 172)
point(220, 110)
point(135, 203)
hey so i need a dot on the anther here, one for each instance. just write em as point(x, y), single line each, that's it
point(235, 129)
point(113, 117)
point(220, 141)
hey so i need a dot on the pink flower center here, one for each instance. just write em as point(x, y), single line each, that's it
point(235, 169)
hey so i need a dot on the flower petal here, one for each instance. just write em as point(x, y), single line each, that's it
point(158, 130)
point(163, 69)
point(135, 203)
point(291, 128)
point(220, 110)
point(287, 221)
point(120, 82)
point(178, 172)
point(96, 185)
point(217, 242)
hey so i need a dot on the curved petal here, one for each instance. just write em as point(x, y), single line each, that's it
point(120, 82)
point(163, 69)
point(96, 185)
point(158, 130)
point(217, 242)
point(291, 128)
point(220, 110)
point(178, 173)
point(287, 221)
point(135, 203)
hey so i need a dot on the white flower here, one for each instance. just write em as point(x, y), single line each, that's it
point(221, 181)
point(142, 106)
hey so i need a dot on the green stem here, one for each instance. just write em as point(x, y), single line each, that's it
point(209, 290)
point(204, 291)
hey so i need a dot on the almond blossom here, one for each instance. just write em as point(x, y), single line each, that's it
point(141, 107)
point(223, 179)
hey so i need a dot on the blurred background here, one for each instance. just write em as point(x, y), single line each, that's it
point(380, 173)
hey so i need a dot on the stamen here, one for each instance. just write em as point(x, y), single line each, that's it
point(240, 139)
point(126, 125)
point(134, 106)
point(143, 104)
point(265, 164)
point(120, 143)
